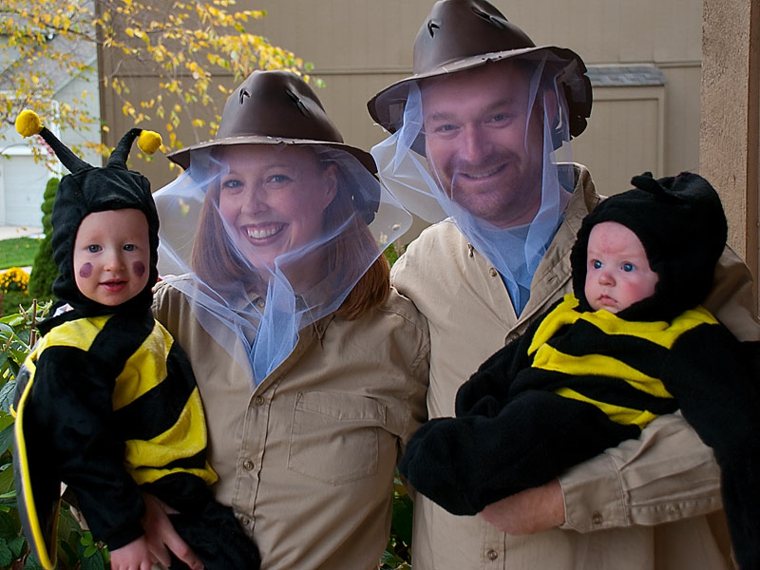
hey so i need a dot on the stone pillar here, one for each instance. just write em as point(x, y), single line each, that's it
point(729, 149)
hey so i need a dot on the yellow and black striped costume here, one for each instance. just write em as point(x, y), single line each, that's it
point(112, 403)
point(574, 385)
point(107, 402)
point(109, 405)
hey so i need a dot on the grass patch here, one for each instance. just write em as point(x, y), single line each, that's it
point(18, 252)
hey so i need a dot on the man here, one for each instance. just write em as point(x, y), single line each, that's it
point(476, 134)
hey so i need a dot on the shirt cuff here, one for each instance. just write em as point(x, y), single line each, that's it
point(594, 496)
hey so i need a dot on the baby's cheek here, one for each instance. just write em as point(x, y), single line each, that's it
point(139, 268)
point(85, 271)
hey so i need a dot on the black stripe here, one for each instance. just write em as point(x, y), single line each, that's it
point(617, 392)
point(638, 353)
point(159, 409)
point(197, 461)
point(607, 389)
point(119, 340)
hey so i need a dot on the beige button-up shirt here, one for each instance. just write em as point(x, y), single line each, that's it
point(667, 477)
point(307, 457)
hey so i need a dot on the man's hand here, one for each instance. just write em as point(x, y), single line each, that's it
point(162, 537)
point(527, 512)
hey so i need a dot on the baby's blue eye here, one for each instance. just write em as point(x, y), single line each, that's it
point(628, 267)
point(93, 248)
point(129, 247)
point(596, 264)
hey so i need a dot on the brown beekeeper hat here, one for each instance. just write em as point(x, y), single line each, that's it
point(463, 34)
point(275, 107)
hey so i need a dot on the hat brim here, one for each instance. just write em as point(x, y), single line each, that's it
point(386, 108)
point(182, 157)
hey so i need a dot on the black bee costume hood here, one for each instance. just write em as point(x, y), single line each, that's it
point(90, 189)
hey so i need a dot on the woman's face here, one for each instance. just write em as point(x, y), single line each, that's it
point(273, 198)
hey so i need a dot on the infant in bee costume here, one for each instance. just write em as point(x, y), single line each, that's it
point(631, 342)
point(106, 401)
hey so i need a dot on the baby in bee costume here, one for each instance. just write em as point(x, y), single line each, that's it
point(107, 402)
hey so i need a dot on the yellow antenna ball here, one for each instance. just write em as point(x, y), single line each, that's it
point(149, 141)
point(28, 123)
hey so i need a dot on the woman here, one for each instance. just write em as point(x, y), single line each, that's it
point(311, 368)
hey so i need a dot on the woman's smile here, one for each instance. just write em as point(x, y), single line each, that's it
point(263, 233)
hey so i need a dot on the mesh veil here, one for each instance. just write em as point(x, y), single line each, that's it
point(253, 289)
point(515, 250)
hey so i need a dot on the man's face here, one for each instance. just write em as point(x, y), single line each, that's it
point(483, 142)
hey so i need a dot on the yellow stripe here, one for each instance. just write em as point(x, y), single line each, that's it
point(40, 547)
point(562, 315)
point(184, 439)
point(148, 368)
point(78, 333)
point(548, 358)
point(658, 332)
point(618, 414)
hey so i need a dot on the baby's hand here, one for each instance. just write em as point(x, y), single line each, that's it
point(132, 556)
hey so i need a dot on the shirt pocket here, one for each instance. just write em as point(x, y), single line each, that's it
point(334, 437)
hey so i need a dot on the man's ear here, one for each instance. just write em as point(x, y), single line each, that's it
point(551, 109)
point(555, 118)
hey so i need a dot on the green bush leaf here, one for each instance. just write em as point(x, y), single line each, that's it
point(7, 393)
point(8, 528)
point(93, 560)
point(6, 440)
point(32, 564)
point(6, 480)
point(17, 546)
point(6, 556)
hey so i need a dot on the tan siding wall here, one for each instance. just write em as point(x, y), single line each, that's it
point(619, 113)
point(360, 46)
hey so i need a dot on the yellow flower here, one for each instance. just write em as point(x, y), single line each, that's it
point(14, 279)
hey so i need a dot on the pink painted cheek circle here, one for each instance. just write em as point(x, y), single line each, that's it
point(138, 268)
point(86, 270)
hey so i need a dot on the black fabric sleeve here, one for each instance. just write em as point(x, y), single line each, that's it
point(468, 462)
point(71, 405)
point(486, 392)
point(714, 377)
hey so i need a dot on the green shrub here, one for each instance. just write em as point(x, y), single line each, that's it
point(397, 555)
point(12, 300)
point(44, 270)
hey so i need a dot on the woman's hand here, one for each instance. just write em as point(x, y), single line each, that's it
point(133, 556)
point(533, 510)
point(162, 538)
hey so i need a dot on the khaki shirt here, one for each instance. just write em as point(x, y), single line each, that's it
point(307, 458)
point(667, 477)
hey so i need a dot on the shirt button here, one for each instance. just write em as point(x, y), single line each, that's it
point(597, 518)
point(248, 465)
point(492, 555)
point(260, 303)
point(259, 400)
point(245, 521)
point(493, 272)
